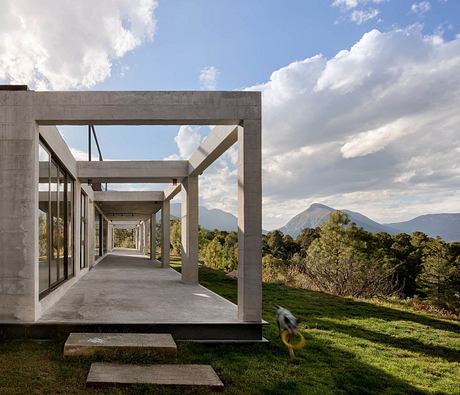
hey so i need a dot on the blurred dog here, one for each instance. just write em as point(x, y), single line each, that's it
point(286, 321)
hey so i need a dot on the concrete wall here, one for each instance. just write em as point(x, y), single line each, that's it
point(18, 208)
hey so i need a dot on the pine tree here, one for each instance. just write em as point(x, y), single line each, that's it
point(439, 273)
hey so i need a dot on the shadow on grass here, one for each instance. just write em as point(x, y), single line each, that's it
point(320, 304)
point(409, 344)
point(319, 369)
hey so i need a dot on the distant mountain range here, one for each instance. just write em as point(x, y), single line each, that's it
point(211, 218)
point(445, 225)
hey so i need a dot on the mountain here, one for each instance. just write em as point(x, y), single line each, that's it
point(318, 213)
point(211, 218)
point(445, 225)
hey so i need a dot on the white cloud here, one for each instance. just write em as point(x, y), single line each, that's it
point(421, 7)
point(79, 155)
point(69, 44)
point(362, 16)
point(350, 4)
point(378, 120)
point(208, 77)
point(188, 139)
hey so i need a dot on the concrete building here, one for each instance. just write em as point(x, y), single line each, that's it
point(55, 225)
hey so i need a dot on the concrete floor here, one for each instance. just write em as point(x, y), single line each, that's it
point(126, 287)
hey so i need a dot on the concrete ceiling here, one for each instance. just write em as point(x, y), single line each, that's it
point(129, 211)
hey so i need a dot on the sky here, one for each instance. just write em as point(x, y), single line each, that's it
point(360, 98)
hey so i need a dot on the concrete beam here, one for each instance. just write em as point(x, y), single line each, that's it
point(132, 171)
point(144, 108)
point(219, 140)
point(172, 191)
point(129, 196)
point(57, 144)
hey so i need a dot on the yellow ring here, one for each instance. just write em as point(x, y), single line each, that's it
point(298, 345)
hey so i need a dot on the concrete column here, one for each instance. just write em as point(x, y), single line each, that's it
point(189, 230)
point(144, 237)
point(109, 237)
point(19, 281)
point(141, 238)
point(153, 236)
point(165, 229)
point(249, 221)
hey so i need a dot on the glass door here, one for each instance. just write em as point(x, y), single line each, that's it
point(83, 221)
point(55, 223)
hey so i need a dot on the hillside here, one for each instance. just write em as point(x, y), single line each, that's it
point(352, 347)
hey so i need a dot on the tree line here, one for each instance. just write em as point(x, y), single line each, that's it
point(342, 259)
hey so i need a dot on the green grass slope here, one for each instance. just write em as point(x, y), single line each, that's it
point(352, 347)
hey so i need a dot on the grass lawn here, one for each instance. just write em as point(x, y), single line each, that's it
point(352, 347)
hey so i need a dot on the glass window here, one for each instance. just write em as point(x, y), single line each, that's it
point(54, 248)
point(69, 236)
point(61, 226)
point(55, 222)
point(83, 209)
point(43, 217)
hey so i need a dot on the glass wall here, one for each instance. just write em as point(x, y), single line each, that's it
point(43, 218)
point(83, 227)
point(69, 235)
point(55, 221)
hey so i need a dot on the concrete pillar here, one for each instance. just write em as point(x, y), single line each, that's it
point(153, 236)
point(141, 238)
point(144, 237)
point(189, 230)
point(165, 229)
point(109, 237)
point(19, 282)
point(249, 222)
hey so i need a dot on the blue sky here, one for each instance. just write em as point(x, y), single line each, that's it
point(356, 113)
point(246, 40)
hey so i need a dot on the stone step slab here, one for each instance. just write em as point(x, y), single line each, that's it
point(104, 374)
point(87, 344)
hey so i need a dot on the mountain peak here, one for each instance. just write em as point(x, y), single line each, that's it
point(319, 205)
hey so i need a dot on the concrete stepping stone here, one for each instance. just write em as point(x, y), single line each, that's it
point(86, 344)
point(104, 374)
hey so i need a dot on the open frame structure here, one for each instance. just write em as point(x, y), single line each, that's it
point(28, 132)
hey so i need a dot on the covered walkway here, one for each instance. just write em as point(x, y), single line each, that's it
point(129, 288)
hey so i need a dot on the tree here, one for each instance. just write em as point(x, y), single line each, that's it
point(440, 275)
point(337, 262)
point(175, 236)
point(275, 244)
point(290, 247)
point(305, 238)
